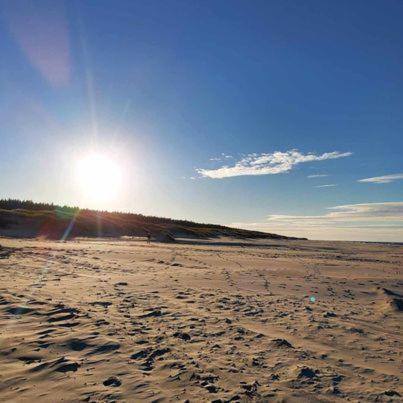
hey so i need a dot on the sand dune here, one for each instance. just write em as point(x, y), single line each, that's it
point(113, 320)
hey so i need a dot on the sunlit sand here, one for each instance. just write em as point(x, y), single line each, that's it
point(102, 320)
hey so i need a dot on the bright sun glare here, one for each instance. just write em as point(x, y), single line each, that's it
point(99, 176)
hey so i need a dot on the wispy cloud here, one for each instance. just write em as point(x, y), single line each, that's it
point(383, 179)
point(365, 221)
point(268, 163)
point(330, 185)
point(345, 213)
point(317, 176)
point(221, 157)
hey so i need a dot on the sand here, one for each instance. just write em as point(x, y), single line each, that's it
point(120, 320)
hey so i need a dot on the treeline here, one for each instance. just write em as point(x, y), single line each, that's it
point(16, 204)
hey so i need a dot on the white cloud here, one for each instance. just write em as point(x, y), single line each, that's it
point(268, 164)
point(317, 176)
point(383, 179)
point(330, 185)
point(366, 221)
point(221, 157)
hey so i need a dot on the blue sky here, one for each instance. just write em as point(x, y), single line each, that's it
point(177, 90)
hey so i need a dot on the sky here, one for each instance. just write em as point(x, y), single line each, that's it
point(282, 116)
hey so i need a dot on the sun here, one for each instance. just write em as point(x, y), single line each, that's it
point(99, 177)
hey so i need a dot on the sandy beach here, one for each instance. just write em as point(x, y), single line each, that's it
point(120, 320)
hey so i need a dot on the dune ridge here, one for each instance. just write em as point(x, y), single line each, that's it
point(27, 219)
